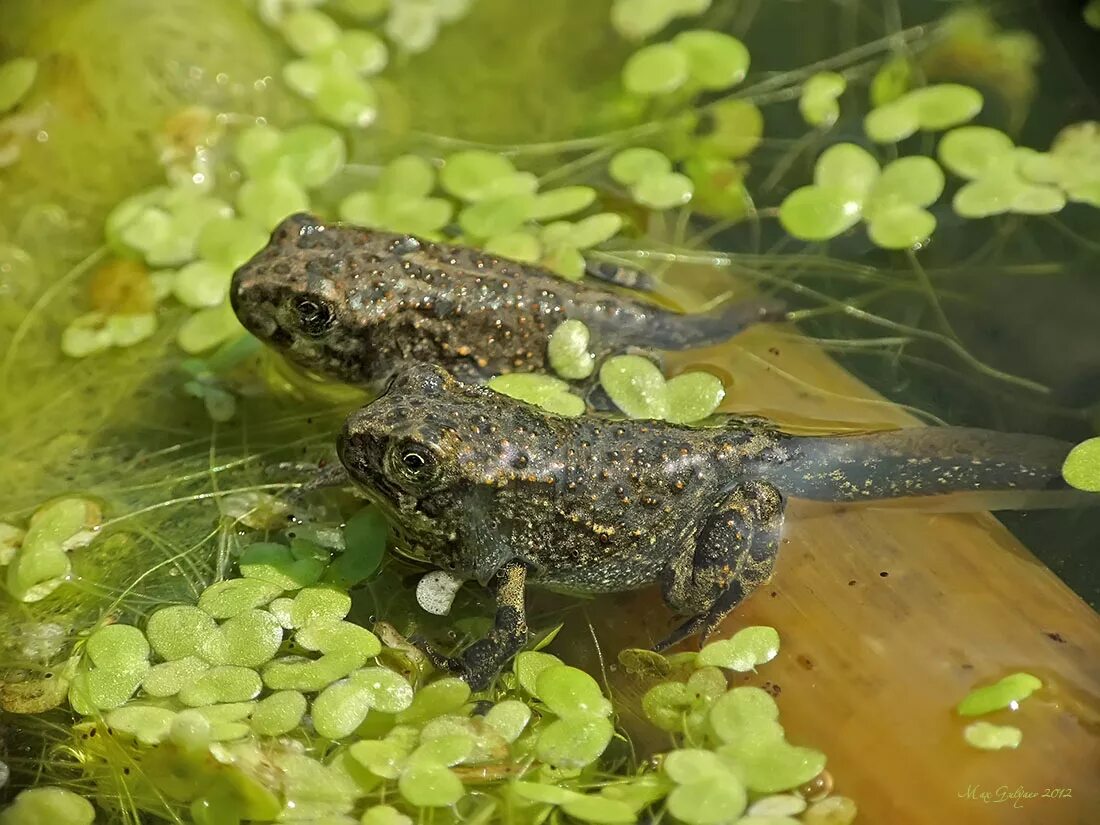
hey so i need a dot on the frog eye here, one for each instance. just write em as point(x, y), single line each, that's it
point(315, 316)
point(413, 460)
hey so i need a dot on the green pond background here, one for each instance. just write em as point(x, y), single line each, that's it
point(1023, 294)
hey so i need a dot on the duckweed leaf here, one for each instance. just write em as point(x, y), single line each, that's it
point(340, 708)
point(208, 328)
point(944, 105)
point(389, 692)
point(567, 350)
point(224, 683)
point(817, 213)
point(599, 809)
point(384, 815)
point(692, 396)
point(913, 180)
point(319, 604)
point(691, 764)
point(656, 69)
point(407, 176)
point(560, 202)
point(715, 60)
point(329, 636)
point(736, 129)
point(545, 794)
point(308, 31)
point(708, 801)
point(1082, 466)
point(638, 19)
point(311, 154)
point(149, 725)
point(847, 167)
point(818, 101)
point(508, 718)
point(308, 675)
point(276, 563)
point(430, 785)
point(365, 539)
point(989, 737)
point(574, 742)
point(570, 693)
point(529, 664)
point(345, 98)
point(469, 175)
point(1006, 693)
point(836, 810)
point(595, 229)
point(666, 704)
point(118, 647)
point(201, 284)
point(233, 596)
point(635, 385)
point(631, 165)
point(190, 729)
point(441, 696)
point(384, 758)
point(16, 78)
point(496, 216)
point(36, 806)
point(973, 151)
point(169, 678)
point(248, 639)
point(892, 122)
point(268, 200)
point(900, 226)
point(363, 52)
point(517, 246)
point(891, 81)
point(566, 261)
point(778, 805)
point(663, 191)
point(746, 649)
point(545, 391)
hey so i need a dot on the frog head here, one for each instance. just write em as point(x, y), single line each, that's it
point(292, 295)
point(451, 464)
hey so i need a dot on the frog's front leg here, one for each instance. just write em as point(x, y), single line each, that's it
point(482, 661)
point(733, 553)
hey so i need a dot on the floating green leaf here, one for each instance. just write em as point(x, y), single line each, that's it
point(233, 596)
point(169, 678)
point(560, 202)
point(746, 649)
point(16, 78)
point(693, 396)
point(817, 213)
point(635, 385)
point(656, 70)
point(990, 737)
point(545, 391)
point(567, 350)
point(470, 175)
point(520, 246)
point(1082, 466)
point(527, 666)
point(629, 166)
point(249, 639)
point(574, 742)
point(715, 60)
point(570, 693)
point(818, 102)
point(1006, 693)
point(47, 804)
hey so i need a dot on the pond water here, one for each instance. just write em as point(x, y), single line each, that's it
point(130, 394)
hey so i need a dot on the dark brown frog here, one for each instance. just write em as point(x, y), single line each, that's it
point(358, 304)
point(492, 489)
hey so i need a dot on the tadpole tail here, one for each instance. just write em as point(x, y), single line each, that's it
point(674, 331)
point(919, 462)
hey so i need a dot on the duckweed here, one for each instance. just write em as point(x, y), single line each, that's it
point(545, 391)
point(818, 102)
point(16, 79)
point(986, 736)
point(932, 109)
point(746, 649)
point(567, 351)
point(48, 804)
point(638, 19)
point(1005, 693)
point(1082, 466)
point(639, 389)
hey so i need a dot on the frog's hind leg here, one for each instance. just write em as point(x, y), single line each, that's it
point(479, 664)
point(733, 553)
